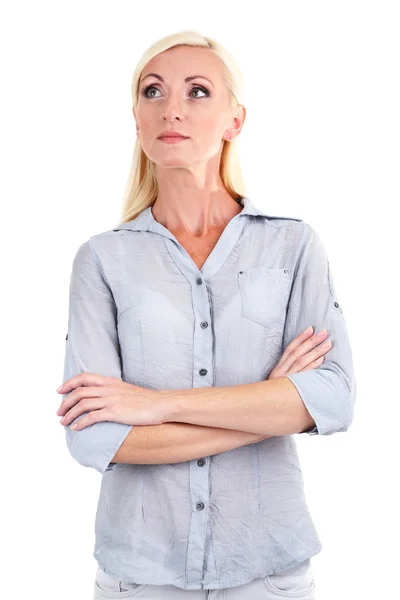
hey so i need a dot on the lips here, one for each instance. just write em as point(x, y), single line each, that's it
point(172, 140)
point(172, 135)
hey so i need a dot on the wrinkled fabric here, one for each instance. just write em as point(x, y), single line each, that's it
point(141, 310)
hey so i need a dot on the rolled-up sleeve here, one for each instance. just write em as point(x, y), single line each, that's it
point(329, 391)
point(92, 345)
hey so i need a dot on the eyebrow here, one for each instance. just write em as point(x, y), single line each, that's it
point(186, 79)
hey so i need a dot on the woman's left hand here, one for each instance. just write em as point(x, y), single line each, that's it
point(108, 399)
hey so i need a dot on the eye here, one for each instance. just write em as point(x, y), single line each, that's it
point(153, 87)
point(198, 87)
point(146, 89)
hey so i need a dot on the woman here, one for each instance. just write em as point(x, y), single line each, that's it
point(189, 364)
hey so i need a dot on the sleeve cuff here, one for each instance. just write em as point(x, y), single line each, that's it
point(325, 399)
point(96, 444)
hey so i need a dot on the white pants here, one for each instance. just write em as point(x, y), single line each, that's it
point(297, 583)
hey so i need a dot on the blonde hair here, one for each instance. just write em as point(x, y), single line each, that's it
point(142, 188)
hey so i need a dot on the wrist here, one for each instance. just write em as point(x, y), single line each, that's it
point(167, 405)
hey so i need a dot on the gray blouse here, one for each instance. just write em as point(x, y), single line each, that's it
point(141, 310)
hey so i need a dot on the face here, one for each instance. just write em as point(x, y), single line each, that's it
point(199, 108)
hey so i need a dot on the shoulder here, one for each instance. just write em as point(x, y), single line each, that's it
point(292, 233)
point(278, 221)
point(295, 226)
point(90, 250)
point(102, 240)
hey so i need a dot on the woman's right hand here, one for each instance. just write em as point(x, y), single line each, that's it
point(305, 352)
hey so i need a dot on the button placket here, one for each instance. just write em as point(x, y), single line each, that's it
point(203, 343)
point(202, 374)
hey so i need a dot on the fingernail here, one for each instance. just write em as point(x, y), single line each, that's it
point(326, 344)
point(323, 332)
point(60, 388)
point(308, 329)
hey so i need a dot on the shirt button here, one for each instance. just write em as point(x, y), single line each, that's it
point(336, 304)
point(199, 506)
point(199, 281)
point(286, 271)
point(67, 336)
point(201, 462)
point(203, 371)
point(204, 324)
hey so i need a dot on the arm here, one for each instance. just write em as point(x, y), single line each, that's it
point(179, 442)
point(321, 399)
point(93, 346)
point(273, 407)
point(329, 391)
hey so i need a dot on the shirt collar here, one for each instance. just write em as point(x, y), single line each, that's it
point(146, 222)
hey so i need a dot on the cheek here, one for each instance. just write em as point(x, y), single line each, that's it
point(148, 132)
point(209, 122)
point(147, 127)
point(213, 127)
point(209, 141)
point(147, 121)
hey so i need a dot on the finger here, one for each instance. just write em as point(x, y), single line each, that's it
point(319, 351)
point(314, 365)
point(303, 362)
point(83, 379)
point(303, 349)
point(297, 341)
point(83, 406)
point(79, 394)
point(93, 417)
point(309, 344)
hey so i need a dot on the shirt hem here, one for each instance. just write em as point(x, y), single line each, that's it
point(222, 583)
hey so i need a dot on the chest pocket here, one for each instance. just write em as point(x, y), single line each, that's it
point(264, 293)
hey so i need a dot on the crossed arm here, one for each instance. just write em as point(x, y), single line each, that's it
point(178, 442)
point(220, 419)
point(274, 405)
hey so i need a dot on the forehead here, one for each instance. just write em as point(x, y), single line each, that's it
point(182, 61)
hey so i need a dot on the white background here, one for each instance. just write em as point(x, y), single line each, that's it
point(320, 143)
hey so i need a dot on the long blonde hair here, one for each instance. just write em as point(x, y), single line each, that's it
point(142, 188)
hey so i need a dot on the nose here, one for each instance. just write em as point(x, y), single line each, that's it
point(172, 108)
